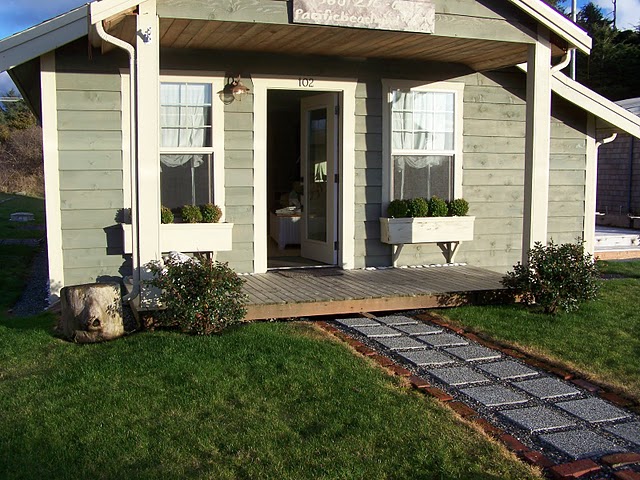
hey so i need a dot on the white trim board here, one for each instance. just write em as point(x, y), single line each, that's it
point(43, 38)
point(593, 102)
point(346, 236)
point(51, 174)
point(556, 23)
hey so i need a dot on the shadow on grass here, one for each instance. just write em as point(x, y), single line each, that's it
point(43, 321)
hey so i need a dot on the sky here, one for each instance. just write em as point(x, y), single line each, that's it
point(17, 15)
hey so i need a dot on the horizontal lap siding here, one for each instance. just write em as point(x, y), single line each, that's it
point(91, 173)
point(239, 180)
point(567, 173)
point(369, 251)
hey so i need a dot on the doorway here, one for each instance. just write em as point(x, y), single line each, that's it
point(302, 178)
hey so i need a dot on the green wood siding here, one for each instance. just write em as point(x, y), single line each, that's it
point(238, 173)
point(90, 165)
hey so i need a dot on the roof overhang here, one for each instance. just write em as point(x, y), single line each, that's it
point(556, 23)
point(592, 102)
point(43, 38)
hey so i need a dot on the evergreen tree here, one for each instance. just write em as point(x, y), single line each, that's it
point(15, 114)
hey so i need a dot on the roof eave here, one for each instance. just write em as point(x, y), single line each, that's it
point(557, 23)
point(43, 38)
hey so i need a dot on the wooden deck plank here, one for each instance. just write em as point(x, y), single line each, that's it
point(272, 295)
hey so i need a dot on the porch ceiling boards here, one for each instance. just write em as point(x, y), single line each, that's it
point(328, 41)
point(273, 295)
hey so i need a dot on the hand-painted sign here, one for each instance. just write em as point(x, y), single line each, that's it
point(399, 15)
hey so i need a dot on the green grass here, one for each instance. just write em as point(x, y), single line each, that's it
point(266, 400)
point(20, 203)
point(601, 340)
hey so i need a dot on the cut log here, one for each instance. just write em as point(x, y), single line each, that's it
point(91, 313)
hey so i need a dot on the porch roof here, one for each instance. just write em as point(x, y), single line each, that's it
point(481, 52)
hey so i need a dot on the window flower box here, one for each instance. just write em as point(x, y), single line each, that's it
point(426, 229)
point(189, 237)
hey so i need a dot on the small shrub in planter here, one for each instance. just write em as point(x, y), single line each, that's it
point(458, 207)
point(438, 207)
point(556, 277)
point(191, 214)
point(166, 215)
point(210, 213)
point(418, 207)
point(201, 296)
point(398, 209)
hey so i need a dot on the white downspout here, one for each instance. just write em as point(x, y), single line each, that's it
point(566, 59)
point(606, 140)
point(131, 51)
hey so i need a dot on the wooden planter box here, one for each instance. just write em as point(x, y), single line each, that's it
point(426, 230)
point(189, 237)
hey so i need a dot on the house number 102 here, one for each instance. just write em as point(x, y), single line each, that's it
point(305, 82)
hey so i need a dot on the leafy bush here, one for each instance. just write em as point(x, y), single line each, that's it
point(438, 207)
point(166, 215)
point(398, 209)
point(557, 277)
point(210, 213)
point(201, 296)
point(418, 207)
point(458, 207)
point(191, 214)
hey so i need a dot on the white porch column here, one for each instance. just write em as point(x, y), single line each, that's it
point(537, 143)
point(591, 186)
point(148, 165)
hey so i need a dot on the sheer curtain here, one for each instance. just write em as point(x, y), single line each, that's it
point(184, 118)
point(422, 130)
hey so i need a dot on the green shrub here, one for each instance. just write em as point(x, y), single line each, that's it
point(201, 296)
point(191, 214)
point(398, 209)
point(458, 207)
point(210, 213)
point(557, 277)
point(438, 207)
point(166, 215)
point(418, 207)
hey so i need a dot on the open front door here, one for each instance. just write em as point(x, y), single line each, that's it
point(319, 155)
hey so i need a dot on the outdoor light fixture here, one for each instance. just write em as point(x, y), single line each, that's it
point(233, 90)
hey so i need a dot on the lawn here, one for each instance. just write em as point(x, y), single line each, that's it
point(601, 340)
point(265, 400)
point(20, 203)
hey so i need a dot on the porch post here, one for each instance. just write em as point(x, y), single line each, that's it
point(537, 143)
point(148, 165)
point(591, 185)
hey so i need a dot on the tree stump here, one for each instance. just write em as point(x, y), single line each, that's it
point(91, 313)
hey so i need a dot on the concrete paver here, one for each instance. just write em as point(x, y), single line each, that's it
point(458, 375)
point(581, 443)
point(546, 387)
point(593, 410)
point(508, 369)
point(536, 419)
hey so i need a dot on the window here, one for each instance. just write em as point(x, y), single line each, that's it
point(424, 141)
point(186, 144)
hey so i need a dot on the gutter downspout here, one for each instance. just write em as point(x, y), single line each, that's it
point(566, 59)
point(631, 146)
point(131, 51)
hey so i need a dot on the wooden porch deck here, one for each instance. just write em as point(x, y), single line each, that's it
point(284, 295)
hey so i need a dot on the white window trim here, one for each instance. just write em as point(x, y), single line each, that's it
point(388, 85)
point(217, 82)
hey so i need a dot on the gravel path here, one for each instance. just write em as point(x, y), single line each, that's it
point(34, 298)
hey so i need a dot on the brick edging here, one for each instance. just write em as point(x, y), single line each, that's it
point(567, 470)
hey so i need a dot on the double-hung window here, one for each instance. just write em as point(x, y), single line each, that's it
point(188, 173)
point(424, 141)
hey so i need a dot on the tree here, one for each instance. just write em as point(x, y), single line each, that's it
point(613, 67)
point(14, 112)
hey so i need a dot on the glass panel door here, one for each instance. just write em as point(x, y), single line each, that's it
point(319, 167)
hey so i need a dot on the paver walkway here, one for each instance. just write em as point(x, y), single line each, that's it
point(559, 418)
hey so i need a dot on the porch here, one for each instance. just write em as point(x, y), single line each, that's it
point(303, 293)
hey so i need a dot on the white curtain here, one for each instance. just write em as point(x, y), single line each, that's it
point(422, 121)
point(184, 114)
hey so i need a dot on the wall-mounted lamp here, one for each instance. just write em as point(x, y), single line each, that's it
point(233, 90)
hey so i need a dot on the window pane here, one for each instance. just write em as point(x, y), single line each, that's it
point(185, 180)
point(422, 120)
point(184, 106)
point(422, 176)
